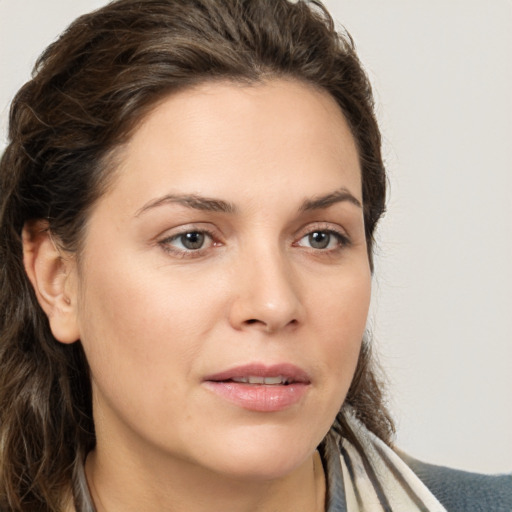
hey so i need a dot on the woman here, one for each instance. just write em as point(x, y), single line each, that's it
point(189, 199)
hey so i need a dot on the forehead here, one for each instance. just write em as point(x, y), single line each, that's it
point(226, 138)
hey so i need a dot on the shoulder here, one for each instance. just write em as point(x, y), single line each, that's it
point(463, 491)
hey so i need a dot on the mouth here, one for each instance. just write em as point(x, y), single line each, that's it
point(260, 388)
point(268, 381)
point(260, 374)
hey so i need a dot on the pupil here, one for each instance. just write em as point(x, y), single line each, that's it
point(319, 239)
point(193, 240)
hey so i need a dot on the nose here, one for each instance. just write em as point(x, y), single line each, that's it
point(267, 296)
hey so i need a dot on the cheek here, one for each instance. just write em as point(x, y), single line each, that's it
point(341, 314)
point(138, 345)
point(137, 330)
point(341, 304)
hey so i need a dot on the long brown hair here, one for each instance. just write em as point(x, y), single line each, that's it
point(89, 91)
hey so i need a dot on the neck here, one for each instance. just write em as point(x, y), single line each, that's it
point(122, 485)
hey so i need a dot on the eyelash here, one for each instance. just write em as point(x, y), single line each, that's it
point(342, 240)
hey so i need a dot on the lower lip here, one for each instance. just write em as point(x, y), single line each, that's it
point(259, 397)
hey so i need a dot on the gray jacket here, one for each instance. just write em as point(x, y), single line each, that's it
point(458, 491)
point(462, 491)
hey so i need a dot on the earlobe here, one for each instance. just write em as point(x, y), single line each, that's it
point(53, 276)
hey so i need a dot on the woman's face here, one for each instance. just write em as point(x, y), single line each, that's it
point(224, 284)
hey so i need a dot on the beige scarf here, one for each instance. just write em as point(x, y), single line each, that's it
point(378, 479)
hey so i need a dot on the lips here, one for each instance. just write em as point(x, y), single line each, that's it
point(260, 388)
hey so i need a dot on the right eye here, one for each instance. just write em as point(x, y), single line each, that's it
point(188, 243)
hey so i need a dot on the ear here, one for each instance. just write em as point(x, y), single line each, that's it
point(52, 273)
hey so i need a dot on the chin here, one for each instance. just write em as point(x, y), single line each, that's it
point(260, 454)
point(263, 467)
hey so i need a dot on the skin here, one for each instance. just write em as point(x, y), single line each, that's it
point(156, 317)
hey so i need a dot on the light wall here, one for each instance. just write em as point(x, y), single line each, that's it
point(442, 307)
point(442, 74)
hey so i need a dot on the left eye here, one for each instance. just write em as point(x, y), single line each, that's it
point(321, 239)
point(189, 241)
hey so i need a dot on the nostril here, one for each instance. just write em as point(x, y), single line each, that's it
point(253, 321)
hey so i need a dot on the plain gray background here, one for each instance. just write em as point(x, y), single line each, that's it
point(441, 314)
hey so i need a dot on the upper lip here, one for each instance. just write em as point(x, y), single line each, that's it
point(289, 371)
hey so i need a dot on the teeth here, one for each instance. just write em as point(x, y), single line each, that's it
point(261, 380)
point(274, 380)
point(242, 380)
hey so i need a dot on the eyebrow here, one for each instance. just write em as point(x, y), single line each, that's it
point(321, 202)
point(217, 205)
point(192, 201)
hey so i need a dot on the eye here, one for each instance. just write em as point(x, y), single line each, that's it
point(191, 241)
point(187, 242)
point(323, 240)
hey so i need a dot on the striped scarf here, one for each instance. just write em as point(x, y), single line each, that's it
point(372, 477)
